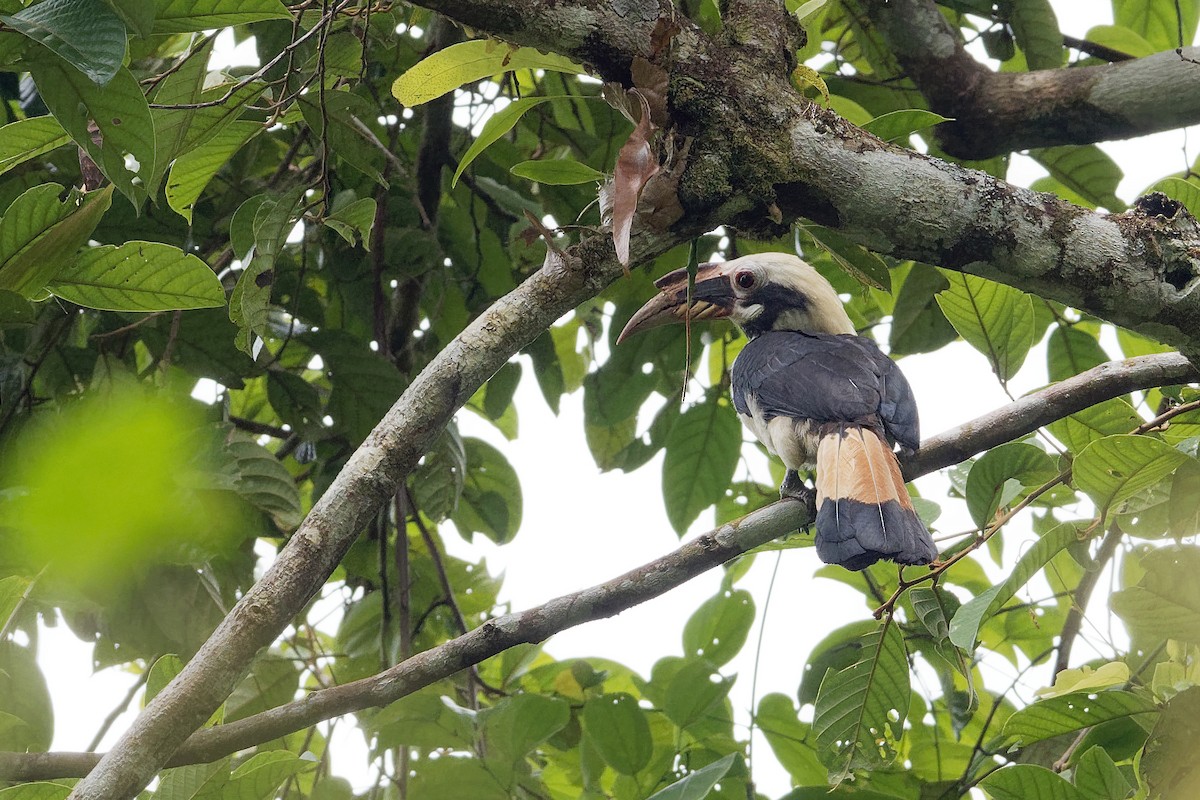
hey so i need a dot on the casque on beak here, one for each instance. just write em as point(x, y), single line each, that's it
point(712, 298)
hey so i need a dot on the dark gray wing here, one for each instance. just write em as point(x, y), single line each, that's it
point(826, 378)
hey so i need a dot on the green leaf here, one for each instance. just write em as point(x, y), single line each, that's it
point(1086, 170)
point(517, 724)
point(465, 62)
point(491, 497)
point(1055, 716)
point(119, 111)
point(138, 15)
point(12, 589)
point(995, 319)
point(693, 690)
point(187, 16)
point(1114, 469)
point(437, 482)
point(86, 33)
point(274, 218)
point(272, 682)
point(264, 482)
point(697, 785)
point(1029, 782)
point(23, 695)
point(918, 324)
point(930, 610)
point(1071, 351)
point(354, 220)
point(860, 711)
point(1098, 776)
point(719, 627)
point(556, 171)
point(896, 125)
point(39, 235)
point(29, 138)
point(1121, 39)
point(1035, 27)
point(1080, 429)
point(1186, 192)
point(1168, 762)
point(162, 671)
point(1165, 603)
point(496, 126)
point(37, 790)
point(789, 739)
point(1106, 676)
point(964, 628)
point(1156, 21)
point(194, 169)
point(261, 774)
point(364, 384)
point(617, 727)
point(138, 276)
point(703, 447)
point(988, 480)
point(866, 267)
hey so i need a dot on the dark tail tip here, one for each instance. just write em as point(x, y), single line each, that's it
point(855, 535)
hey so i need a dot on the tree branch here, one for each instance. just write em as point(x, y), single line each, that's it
point(999, 112)
point(637, 586)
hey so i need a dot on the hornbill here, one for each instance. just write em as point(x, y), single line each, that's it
point(817, 395)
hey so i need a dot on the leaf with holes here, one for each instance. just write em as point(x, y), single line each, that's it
point(1116, 468)
point(964, 628)
point(995, 319)
point(717, 630)
point(139, 276)
point(1066, 713)
point(702, 452)
point(466, 62)
point(860, 711)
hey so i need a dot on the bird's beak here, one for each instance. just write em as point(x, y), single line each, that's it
point(712, 298)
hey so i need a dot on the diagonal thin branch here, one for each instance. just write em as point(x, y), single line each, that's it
point(637, 586)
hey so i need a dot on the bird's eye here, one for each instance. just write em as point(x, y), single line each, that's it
point(745, 279)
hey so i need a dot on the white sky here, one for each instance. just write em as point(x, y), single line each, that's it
point(582, 527)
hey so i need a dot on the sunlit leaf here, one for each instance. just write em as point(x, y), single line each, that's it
point(697, 785)
point(185, 16)
point(1029, 782)
point(465, 62)
point(1114, 469)
point(1086, 170)
point(896, 125)
point(556, 171)
point(138, 276)
point(1055, 716)
point(29, 138)
point(1015, 461)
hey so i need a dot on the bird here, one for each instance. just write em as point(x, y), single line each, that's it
point(817, 395)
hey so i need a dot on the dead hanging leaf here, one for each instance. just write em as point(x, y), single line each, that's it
point(651, 80)
point(636, 164)
point(659, 205)
point(665, 29)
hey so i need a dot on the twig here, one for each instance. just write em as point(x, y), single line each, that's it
point(118, 710)
point(1083, 593)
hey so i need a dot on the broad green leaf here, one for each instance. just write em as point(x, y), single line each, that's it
point(23, 694)
point(865, 266)
point(989, 477)
point(1035, 27)
point(837, 651)
point(1114, 469)
point(138, 276)
point(995, 319)
point(261, 774)
point(1098, 776)
point(1168, 762)
point(354, 220)
point(496, 126)
point(437, 482)
point(138, 15)
point(1114, 673)
point(1156, 21)
point(39, 236)
point(703, 447)
point(1186, 192)
point(719, 627)
point(422, 719)
point(162, 671)
point(491, 496)
point(1071, 351)
point(272, 682)
point(193, 170)
point(187, 16)
point(1115, 416)
point(205, 123)
point(790, 739)
point(556, 171)
point(363, 384)
point(697, 785)
point(896, 125)
point(12, 589)
point(37, 790)
point(695, 689)
point(466, 62)
point(88, 34)
point(931, 610)
point(1121, 39)
point(29, 138)
point(1055, 716)
point(918, 324)
point(1086, 170)
point(964, 628)
point(1166, 602)
point(617, 728)
point(251, 297)
point(517, 724)
point(860, 711)
point(1029, 782)
point(264, 482)
point(182, 88)
point(118, 110)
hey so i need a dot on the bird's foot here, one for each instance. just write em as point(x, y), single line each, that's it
point(793, 488)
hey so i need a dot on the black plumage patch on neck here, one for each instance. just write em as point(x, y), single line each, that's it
point(775, 300)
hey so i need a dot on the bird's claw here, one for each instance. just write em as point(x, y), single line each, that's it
point(793, 488)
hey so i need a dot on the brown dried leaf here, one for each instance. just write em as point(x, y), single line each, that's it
point(664, 31)
point(636, 164)
point(651, 80)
